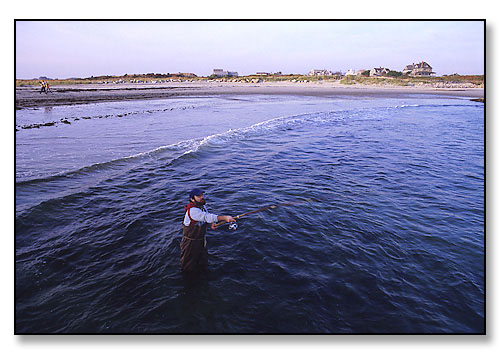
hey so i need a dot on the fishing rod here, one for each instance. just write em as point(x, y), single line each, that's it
point(233, 225)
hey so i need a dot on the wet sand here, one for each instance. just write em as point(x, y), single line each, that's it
point(29, 97)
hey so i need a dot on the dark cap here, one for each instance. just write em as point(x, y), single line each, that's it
point(195, 192)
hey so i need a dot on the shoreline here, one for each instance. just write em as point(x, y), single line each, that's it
point(30, 97)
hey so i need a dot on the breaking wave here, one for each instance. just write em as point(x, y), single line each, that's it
point(190, 146)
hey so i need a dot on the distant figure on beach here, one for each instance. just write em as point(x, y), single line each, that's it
point(194, 253)
point(47, 88)
point(42, 87)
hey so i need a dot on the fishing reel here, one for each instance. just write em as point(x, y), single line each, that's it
point(233, 226)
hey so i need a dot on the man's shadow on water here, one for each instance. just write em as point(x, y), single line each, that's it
point(198, 303)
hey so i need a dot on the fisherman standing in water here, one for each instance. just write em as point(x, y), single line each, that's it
point(194, 253)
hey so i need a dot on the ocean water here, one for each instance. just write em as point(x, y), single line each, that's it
point(387, 235)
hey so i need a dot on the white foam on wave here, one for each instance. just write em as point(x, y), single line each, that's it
point(186, 147)
point(403, 106)
point(257, 128)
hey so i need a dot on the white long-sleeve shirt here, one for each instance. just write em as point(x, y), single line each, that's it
point(199, 215)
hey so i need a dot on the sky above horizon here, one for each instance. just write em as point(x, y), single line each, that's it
point(65, 49)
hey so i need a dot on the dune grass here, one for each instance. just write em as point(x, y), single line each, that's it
point(477, 80)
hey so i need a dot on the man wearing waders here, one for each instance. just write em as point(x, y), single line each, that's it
point(194, 253)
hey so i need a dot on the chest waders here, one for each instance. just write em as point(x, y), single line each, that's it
point(194, 253)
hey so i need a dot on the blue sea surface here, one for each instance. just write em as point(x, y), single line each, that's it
point(385, 233)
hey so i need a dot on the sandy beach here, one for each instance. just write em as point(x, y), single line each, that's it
point(30, 97)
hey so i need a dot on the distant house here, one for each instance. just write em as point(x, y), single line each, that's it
point(219, 72)
point(222, 72)
point(408, 69)
point(262, 73)
point(419, 69)
point(379, 71)
point(320, 72)
point(351, 72)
